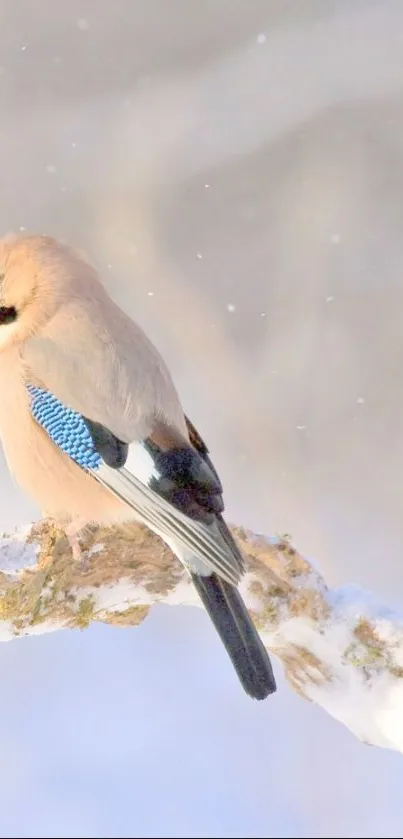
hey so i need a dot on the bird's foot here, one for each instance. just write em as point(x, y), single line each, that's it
point(80, 556)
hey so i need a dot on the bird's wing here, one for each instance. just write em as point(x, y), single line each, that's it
point(102, 365)
point(198, 443)
point(169, 483)
point(179, 479)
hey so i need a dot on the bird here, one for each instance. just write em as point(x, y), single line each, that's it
point(93, 429)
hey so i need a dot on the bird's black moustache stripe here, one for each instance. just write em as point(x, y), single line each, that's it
point(8, 314)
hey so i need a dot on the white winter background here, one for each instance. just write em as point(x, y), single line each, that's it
point(235, 170)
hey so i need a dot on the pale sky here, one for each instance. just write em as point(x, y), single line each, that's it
point(234, 168)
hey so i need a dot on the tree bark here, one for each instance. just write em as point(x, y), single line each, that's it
point(338, 648)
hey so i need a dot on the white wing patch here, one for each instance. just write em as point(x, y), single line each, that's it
point(141, 464)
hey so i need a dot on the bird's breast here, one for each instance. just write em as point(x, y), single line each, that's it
point(40, 467)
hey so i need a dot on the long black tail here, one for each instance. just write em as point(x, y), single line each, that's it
point(225, 606)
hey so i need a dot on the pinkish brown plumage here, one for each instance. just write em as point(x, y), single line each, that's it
point(60, 331)
point(59, 296)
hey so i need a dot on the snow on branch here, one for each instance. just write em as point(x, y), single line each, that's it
point(339, 648)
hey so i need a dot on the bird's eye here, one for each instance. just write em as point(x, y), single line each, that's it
point(7, 314)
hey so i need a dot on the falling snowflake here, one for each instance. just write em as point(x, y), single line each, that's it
point(231, 307)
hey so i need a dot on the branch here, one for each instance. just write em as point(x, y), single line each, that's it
point(339, 648)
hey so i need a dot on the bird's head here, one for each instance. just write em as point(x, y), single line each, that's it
point(37, 275)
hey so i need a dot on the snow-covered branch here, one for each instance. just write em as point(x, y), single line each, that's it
point(339, 648)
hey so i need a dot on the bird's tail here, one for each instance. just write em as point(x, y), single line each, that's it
point(225, 606)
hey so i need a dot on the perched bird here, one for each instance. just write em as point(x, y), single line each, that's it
point(93, 429)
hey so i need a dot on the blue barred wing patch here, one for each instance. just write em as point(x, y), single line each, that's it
point(65, 427)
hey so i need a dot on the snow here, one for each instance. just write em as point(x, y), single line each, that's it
point(246, 589)
point(42, 628)
point(16, 554)
point(6, 631)
point(96, 549)
point(364, 691)
point(124, 594)
point(354, 663)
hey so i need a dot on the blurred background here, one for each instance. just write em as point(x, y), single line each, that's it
point(235, 170)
